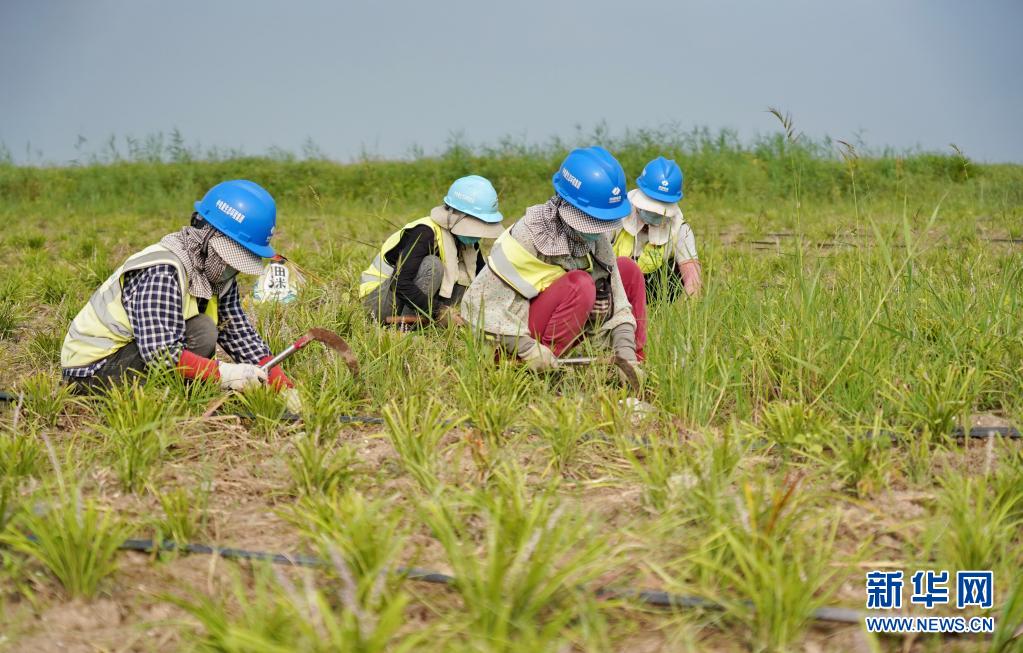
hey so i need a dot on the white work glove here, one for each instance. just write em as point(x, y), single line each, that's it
point(539, 358)
point(292, 400)
point(239, 376)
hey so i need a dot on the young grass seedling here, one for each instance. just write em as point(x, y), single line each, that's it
point(527, 584)
point(136, 430)
point(319, 468)
point(74, 540)
point(415, 428)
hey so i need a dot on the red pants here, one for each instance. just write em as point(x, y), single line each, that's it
point(558, 315)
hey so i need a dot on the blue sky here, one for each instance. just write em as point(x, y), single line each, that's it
point(383, 77)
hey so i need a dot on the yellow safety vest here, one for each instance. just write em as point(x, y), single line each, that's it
point(102, 326)
point(650, 259)
point(520, 268)
point(380, 270)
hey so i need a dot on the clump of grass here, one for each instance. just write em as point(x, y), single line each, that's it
point(184, 514)
point(21, 457)
point(933, 402)
point(523, 578)
point(493, 397)
point(861, 459)
point(797, 427)
point(74, 540)
point(136, 428)
point(415, 428)
point(264, 406)
point(978, 522)
point(1009, 620)
point(318, 468)
point(45, 398)
point(768, 564)
point(661, 464)
point(193, 397)
point(366, 533)
point(332, 393)
point(11, 318)
point(275, 616)
point(565, 426)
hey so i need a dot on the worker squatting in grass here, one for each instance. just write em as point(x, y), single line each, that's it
point(175, 301)
point(553, 279)
point(578, 266)
point(422, 270)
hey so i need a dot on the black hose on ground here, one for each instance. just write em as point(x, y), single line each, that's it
point(978, 432)
point(654, 598)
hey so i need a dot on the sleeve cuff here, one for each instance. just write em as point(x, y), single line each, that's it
point(194, 366)
point(276, 376)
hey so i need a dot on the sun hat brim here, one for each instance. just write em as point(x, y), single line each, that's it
point(236, 255)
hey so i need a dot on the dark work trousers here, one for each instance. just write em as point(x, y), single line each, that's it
point(664, 283)
point(383, 302)
point(126, 362)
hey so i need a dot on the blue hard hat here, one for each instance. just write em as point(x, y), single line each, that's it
point(661, 179)
point(476, 196)
point(244, 212)
point(592, 180)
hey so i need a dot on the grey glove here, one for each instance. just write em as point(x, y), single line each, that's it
point(623, 342)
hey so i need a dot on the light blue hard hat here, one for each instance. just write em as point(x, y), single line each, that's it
point(476, 196)
point(661, 179)
point(244, 212)
point(592, 180)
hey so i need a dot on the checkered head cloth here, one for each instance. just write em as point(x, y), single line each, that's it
point(555, 224)
point(206, 253)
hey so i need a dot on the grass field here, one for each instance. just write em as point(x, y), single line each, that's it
point(843, 295)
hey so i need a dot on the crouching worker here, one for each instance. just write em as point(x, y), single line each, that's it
point(552, 278)
point(422, 270)
point(173, 302)
point(656, 235)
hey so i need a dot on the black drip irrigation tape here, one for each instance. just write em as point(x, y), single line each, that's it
point(958, 433)
point(654, 598)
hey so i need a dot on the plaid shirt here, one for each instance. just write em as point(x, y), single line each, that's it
point(152, 299)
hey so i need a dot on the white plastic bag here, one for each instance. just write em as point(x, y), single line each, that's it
point(279, 282)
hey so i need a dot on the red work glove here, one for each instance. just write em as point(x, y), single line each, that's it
point(194, 366)
point(276, 378)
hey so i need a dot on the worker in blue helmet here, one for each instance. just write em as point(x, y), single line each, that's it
point(172, 303)
point(422, 270)
point(553, 278)
point(657, 236)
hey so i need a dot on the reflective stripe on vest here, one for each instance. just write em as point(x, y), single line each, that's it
point(650, 259)
point(520, 269)
point(380, 270)
point(102, 326)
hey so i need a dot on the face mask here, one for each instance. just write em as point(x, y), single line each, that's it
point(590, 238)
point(468, 240)
point(650, 217)
point(228, 274)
